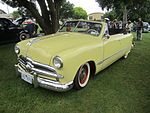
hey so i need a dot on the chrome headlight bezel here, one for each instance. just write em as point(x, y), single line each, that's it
point(17, 49)
point(57, 62)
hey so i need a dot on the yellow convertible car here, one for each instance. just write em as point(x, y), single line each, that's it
point(69, 57)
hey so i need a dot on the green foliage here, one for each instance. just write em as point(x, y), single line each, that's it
point(114, 14)
point(111, 15)
point(141, 10)
point(146, 18)
point(66, 10)
point(16, 14)
point(80, 13)
point(135, 9)
point(120, 3)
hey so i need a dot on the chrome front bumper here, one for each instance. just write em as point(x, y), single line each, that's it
point(45, 83)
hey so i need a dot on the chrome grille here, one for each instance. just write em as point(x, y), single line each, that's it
point(34, 67)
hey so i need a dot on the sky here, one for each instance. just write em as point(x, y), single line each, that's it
point(6, 8)
point(89, 5)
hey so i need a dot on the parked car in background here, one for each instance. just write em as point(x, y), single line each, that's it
point(10, 32)
point(30, 25)
point(68, 58)
point(149, 27)
point(145, 27)
point(20, 20)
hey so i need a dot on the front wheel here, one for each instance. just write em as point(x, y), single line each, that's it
point(82, 76)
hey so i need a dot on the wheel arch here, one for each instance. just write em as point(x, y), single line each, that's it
point(92, 67)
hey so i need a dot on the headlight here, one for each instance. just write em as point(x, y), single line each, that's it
point(58, 63)
point(17, 49)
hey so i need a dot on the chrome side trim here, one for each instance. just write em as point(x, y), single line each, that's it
point(100, 62)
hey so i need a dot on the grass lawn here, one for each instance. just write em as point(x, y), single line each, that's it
point(123, 87)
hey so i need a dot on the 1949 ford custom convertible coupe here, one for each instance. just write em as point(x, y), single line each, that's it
point(69, 57)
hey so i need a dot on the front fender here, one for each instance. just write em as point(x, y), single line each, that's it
point(74, 58)
point(24, 31)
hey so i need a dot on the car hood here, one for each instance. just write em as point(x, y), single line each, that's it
point(44, 48)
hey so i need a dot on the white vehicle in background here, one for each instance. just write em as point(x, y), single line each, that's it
point(146, 27)
point(149, 27)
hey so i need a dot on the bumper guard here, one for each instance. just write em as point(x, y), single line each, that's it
point(45, 83)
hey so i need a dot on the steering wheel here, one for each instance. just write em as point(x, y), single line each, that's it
point(92, 32)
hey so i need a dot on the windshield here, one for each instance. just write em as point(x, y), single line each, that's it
point(91, 28)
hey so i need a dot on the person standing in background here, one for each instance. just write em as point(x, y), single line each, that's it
point(139, 28)
point(129, 26)
point(108, 25)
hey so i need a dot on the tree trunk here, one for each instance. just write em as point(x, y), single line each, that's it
point(49, 20)
point(46, 17)
point(54, 16)
point(125, 12)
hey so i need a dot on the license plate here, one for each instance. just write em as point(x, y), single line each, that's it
point(26, 77)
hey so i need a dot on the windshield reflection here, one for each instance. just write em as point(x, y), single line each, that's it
point(91, 28)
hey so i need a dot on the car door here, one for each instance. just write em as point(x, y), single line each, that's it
point(126, 42)
point(111, 49)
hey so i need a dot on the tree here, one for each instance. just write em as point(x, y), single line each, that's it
point(115, 4)
point(141, 10)
point(24, 12)
point(16, 14)
point(47, 16)
point(111, 15)
point(126, 6)
point(80, 13)
point(66, 10)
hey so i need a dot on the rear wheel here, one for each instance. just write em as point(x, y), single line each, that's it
point(82, 76)
point(24, 36)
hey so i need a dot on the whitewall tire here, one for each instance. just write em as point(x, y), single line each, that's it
point(82, 76)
